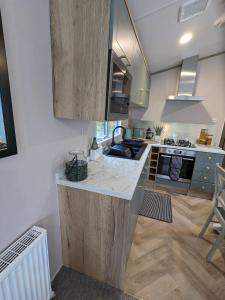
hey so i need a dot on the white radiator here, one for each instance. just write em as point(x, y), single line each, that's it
point(24, 268)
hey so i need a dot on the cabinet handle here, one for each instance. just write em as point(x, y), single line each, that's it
point(124, 57)
point(189, 159)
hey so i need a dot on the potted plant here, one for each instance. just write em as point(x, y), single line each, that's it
point(158, 131)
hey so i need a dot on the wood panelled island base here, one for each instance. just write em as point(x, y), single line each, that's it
point(97, 232)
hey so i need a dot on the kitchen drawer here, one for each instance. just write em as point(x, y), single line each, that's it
point(204, 176)
point(175, 184)
point(202, 186)
point(209, 159)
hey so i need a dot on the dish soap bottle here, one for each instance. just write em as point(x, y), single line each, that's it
point(94, 153)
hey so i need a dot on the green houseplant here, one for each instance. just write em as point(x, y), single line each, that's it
point(158, 131)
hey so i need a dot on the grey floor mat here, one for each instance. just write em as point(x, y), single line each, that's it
point(157, 206)
point(71, 285)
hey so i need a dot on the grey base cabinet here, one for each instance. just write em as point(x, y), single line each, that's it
point(203, 177)
point(138, 197)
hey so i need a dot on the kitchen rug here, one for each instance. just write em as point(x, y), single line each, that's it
point(157, 206)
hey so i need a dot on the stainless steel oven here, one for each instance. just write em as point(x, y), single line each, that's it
point(188, 161)
point(118, 91)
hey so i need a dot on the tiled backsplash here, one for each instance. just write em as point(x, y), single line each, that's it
point(176, 130)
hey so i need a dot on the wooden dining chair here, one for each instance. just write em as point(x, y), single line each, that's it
point(218, 210)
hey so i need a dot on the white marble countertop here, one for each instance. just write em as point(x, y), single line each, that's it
point(110, 176)
point(198, 148)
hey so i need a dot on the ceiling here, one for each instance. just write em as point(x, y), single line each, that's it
point(159, 31)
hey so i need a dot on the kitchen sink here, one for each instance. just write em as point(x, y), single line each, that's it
point(127, 150)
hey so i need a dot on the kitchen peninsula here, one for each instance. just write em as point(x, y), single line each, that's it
point(98, 216)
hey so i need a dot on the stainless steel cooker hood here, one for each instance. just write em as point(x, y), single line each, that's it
point(187, 81)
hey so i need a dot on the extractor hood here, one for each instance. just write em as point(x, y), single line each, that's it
point(187, 81)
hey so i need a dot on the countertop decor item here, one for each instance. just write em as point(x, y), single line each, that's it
point(129, 133)
point(94, 145)
point(209, 139)
point(77, 168)
point(149, 134)
point(158, 131)
point(205, 138)
point(139, 133)
point(95, 151)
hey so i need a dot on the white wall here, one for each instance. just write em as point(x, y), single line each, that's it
point(211, 84)
point(28, 192)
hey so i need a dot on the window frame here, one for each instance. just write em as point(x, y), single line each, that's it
point(107, 136)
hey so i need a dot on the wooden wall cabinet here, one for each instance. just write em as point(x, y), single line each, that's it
point(82, 32)
point(80, 37)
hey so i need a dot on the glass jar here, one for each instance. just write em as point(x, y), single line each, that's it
point(77, 166)
point(209, 139)
point(138, 133)
point(203, 134)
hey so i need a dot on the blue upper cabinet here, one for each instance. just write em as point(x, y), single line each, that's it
point(124, 42)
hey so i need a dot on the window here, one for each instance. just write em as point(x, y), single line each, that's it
point(104, 129)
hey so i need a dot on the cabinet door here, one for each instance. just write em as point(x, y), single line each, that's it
point(204, 187)
point(141, 80)
point(80, 37)
point(126, 46)
point(144, 85)
point(203, 177)
point(125, 36)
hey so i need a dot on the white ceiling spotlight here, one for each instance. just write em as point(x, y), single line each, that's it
point(192, 8)
point(186, 38)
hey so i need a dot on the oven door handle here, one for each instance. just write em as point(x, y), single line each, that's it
point(167, 156)
point(189, 159)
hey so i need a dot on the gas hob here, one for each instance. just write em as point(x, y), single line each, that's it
point(179, 143)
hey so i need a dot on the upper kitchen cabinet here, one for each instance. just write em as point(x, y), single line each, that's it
point(83, 33)
point(123, 35)
point(141, 80)
point(125, 43)
point(80, 37)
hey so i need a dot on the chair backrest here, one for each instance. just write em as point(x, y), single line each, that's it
point(220, 186)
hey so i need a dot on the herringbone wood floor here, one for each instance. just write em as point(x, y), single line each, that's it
point(167, 261)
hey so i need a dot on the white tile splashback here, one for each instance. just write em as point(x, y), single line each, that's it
point(177, 130)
